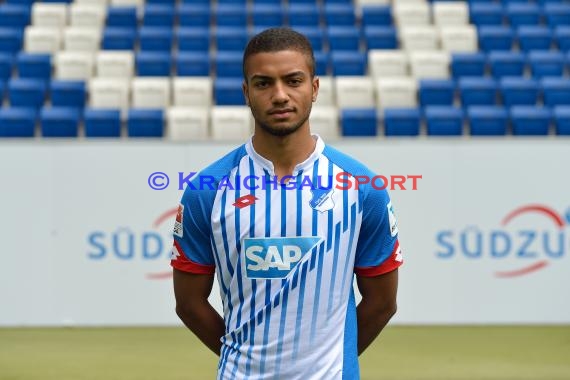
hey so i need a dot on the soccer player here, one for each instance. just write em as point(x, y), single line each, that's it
point(284, 240)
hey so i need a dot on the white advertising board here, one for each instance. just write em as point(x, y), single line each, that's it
point(86, 241)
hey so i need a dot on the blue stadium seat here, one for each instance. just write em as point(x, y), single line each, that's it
point(468, 65)
point(315, 35)
point(116, 38)
point(561, 115)
point(477, 91)
point(486, 14)
point(523, 14)
point(66, 93)
point(59, 121)
point(303, 15)
point(359, 122)
point(234, 2)
point(17, 122)
point(301, 2)
point(322, 62)
point(26, 92)
point(557, 14)
point(231, 38)
point(155, 38)
point(506, 63)
point(102, 123)
point(159, 15)
point(562, 36)
point(192, 64)
point(268, 15)
point(197, 2)
point(519, 91)
point(194, 15)
point(193, 39)
point(530, 120)
point(546, 63)
point(230, 15)
point(228, 92)
point(228, 64)
point(380, 37)
point(14, 15)
point(495, 38)
point(10, 40)
point(376, 15)
point(145, 123)
point(346, 38)
point(402, 121)
point(162, 2)
point(444, 121)
point(337, 1)
point(270, 2)
point(339, 14)
point(36, 66)
point(153, 64)
point(535, 37)
point(2, 90)
point(436, 92)
point(348, 63)
point(6, 66)
point(555, 91)
point(122, 17)
point(488, 120)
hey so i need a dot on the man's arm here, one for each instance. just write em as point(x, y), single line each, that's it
point(191, 292)
point(378, 305)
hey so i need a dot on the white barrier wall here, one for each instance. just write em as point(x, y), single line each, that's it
point(86, 241)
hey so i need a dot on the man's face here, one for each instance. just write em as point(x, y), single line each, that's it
point(280, 90)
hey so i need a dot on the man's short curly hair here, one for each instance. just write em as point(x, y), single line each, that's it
point(279, 39)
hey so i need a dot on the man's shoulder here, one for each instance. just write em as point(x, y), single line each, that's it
point(345, 162)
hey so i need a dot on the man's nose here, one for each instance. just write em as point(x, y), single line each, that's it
point(280, 93)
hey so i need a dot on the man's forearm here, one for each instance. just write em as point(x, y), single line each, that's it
point(205, 323)
point(371, 320)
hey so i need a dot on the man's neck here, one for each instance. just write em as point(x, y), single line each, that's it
point(285, 152)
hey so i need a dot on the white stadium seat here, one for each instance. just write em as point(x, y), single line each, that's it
point(415, 38)
point(192, 91)
point(388, 63)
point(188, 123)
point(354, 92)
point(324, 122)
point(49, 14)
point(86, 39)
point(450, 13)
point(396, 93)
point(459, 38)
point(411, 14)
point(105, 3)
point(115, 64)
point(40, 39)
point(430, 64)
point(88, 15)
point(231, 123)
point(326, 92)
point(150, 92)
point(109, 93)
point(72, 65)
point(127, 3)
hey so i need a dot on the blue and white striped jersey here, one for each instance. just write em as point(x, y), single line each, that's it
point(285, 256)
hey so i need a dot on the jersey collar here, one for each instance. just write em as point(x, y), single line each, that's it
point(268, 165)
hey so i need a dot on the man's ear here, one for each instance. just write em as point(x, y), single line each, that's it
point(316, 85)
point(245, 90)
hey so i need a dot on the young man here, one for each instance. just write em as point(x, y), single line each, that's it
point(282, 237)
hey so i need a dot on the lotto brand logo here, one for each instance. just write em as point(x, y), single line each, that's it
point(275, 257)
point(246, 200)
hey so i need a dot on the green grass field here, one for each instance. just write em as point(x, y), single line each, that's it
point(402, 353)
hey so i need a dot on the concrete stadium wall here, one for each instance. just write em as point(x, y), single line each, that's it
point(86, 241)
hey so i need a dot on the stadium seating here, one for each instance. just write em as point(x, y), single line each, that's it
point(402, 121)
point(519, 91)
point(71, 94)
point(444, 121)
point(561, 115)
point(324, 122)
point(556, 91)
point(506, 63)
point(468, 65)
point(188, 123)
point(34, 66)
point(359, 122)
point(477, 91)
point(17, 122)
point(527, 120)
point(436, 92)
point(59, 122)
point(102, 123)
point(488, 120)
point(145, 123)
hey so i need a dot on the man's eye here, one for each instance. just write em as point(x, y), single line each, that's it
point(295, 82)
point(260, 84)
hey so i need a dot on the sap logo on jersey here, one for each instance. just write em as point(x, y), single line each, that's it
point(275, 257)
